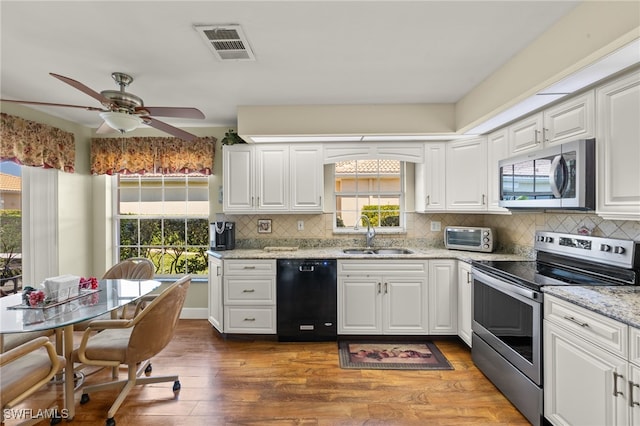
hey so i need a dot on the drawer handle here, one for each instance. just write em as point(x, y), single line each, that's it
point(249, 267)
point(249, 319)
point(379, 288)
point(386, 288)
point(616, 392)
point(632, 403)
point(573, 320)
point(248, 290)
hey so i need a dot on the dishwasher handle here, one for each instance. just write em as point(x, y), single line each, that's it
point(306, 268)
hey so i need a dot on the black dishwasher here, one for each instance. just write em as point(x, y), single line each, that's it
point(306, 300)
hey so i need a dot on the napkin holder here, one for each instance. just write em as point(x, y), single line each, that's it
point(60, 288)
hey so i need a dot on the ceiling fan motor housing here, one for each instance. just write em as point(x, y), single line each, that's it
point(123, 101)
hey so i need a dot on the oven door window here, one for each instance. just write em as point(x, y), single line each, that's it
point(505, 317)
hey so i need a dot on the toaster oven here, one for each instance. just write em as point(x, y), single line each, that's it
point(470, 238)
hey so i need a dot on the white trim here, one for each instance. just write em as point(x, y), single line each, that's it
point(194, 313)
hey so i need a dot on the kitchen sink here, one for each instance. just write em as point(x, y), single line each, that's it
point(357, 251)
point(377, 251)
point(392, 251)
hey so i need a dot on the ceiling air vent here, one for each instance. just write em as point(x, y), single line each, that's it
point(228, 42)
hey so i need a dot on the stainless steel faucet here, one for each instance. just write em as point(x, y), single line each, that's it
point(371, 232)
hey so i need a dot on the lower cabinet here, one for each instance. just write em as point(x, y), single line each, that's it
point(443, 297)
point(587, 374)
point(382, 297)
point(216, 303)
point(464, 301)
point(249, 294)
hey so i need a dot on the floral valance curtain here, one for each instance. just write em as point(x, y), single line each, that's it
point(34, 144)
point(152, 155)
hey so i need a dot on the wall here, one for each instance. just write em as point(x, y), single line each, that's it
point(514, 233)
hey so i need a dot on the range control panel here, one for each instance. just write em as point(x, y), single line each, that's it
point(611, 251)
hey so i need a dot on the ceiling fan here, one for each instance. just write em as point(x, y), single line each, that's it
point(123, 111)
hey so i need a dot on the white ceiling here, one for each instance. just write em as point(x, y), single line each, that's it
point(307, 52)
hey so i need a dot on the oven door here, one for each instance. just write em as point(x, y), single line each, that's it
point(508, 318)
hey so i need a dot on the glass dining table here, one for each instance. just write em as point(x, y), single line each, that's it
point(17, 317)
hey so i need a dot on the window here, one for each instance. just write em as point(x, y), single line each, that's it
point(10, 227)
point(373, 188)
point(164, 218)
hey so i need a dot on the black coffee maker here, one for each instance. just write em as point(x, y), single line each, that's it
point(222, 235)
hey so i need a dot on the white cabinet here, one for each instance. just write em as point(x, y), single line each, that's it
point(443, 297)
point(569, 120)
point(307, 178)
point(618, 148)
point(216, 306)
point(249, 289)
point(430, 179)
point(586, 371)
point(466, 173)
point(464, 301)
point(382, 297)
point(272, 178)
point(497, 149)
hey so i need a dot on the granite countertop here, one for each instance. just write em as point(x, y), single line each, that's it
point(621, 303)
point(337, 253)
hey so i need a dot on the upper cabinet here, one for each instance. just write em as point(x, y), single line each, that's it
point(466, 174)
point(497, 149)
point(564, 122)
point(618, 148)
point(430, 179)
point(272, 178)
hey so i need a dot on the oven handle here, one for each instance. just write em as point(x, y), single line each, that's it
point(505, 287)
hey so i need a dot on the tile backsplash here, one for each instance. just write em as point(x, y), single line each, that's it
point(514, 232)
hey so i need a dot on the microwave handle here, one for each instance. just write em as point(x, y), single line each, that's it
point(557, 187)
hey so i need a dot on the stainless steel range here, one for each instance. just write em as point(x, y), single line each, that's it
point(507, 306)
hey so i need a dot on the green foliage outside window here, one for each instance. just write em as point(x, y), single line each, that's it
point(385, 216)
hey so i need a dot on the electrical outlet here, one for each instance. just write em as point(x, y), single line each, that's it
point(301, 225)
point(435, 226)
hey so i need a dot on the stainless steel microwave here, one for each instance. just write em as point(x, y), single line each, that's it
point(558, 177)
point(469, 238)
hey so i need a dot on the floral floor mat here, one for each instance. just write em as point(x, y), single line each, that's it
point(392, 356)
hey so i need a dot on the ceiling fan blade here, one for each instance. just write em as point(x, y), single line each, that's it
point(103, 100)
point(160, 125)
point(88, 108)
point(105, 128)
point(172, 112)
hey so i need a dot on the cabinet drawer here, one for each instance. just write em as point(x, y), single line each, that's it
point(376, 267)
point(250, 266)
point(249, 290)
point(250, 319)
point(634, 345)
point(598, 329)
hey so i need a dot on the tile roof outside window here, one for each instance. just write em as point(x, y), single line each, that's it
point(10, 183)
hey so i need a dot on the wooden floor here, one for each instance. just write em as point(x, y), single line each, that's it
point(234, 382)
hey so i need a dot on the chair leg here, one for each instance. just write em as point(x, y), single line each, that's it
point(131, 382)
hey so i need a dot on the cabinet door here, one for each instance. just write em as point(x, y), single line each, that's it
point(443, 297)
point(618, 150)
point(404, 305)
point(634, 395)
point(584, 385)
point(307, 178)
point(430, 178)
point(360, 305)
point(272, 181)
point(570, 120)
point(526, 135)
point(497, 149)
point(216, 306)
point(238, 174)
point(464, 302)
point(467, 175)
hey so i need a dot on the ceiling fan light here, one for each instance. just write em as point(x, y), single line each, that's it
point(121, 121)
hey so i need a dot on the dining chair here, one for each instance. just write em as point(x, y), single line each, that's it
point(25, 369)
point(134, 268)
point(132, 342)
point(12, 340)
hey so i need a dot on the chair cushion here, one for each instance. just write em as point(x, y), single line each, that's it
point(108, 345)
point(13, 340)
point(20, 375)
